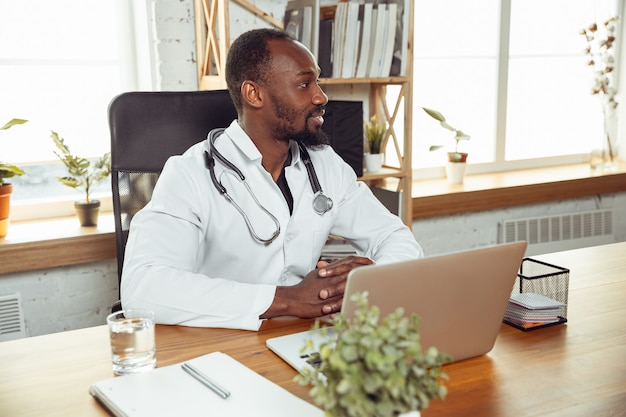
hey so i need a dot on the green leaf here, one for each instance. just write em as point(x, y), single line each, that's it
point(12, 123)
point(70, 181)
point(434, 114)
point(447, 126)
point(348, 352)
point(460, 135)
point(9, 171)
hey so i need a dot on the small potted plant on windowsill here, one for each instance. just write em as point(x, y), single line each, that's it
point(374, 136)
point(6, 189)
point(457, 160)
point(82, 176)
point(375, 368)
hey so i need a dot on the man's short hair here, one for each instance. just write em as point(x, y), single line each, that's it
point(249, 58)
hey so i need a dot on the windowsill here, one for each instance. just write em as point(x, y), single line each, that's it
point(57, 242)
point(497, 190)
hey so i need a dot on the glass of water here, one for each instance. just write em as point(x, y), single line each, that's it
point(133, 347)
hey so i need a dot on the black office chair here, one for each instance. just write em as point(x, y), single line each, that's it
point(147, 128)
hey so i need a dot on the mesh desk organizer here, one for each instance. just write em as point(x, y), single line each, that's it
point(539, 296)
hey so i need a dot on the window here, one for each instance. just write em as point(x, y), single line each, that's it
point(510, 73)
point(62, 62)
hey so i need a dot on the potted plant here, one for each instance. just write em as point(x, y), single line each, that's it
point(7, 171)
point(455, 169)
point(82, 176)
point(374, 136)
point(374, 368)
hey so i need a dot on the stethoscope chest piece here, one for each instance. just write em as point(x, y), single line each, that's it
point(321, 203)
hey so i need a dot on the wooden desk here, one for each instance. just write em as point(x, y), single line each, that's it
point(575, 369)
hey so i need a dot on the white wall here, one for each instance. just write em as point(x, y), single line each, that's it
point(64, 298)
point(443, 234)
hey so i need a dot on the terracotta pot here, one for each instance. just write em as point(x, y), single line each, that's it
point(87, 212)
point(457, 156)
point(5, 207)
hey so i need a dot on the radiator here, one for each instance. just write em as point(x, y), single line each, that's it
point(560, 232)
point(11, 318)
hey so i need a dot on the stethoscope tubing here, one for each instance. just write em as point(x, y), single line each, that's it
point(321, 202)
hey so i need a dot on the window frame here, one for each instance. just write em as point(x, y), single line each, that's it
point(500, 164)
point(135, 41)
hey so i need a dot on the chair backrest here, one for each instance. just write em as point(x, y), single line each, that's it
point(147, 128)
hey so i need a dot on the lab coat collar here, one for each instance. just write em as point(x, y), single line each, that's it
point(236, 135)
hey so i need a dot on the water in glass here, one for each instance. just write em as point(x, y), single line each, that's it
point(132, 342)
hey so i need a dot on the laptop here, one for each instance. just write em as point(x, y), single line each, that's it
point(460, 297)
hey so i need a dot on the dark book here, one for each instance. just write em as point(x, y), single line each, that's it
point(325, 54)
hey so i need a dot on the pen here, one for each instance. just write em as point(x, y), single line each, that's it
point(216, 388)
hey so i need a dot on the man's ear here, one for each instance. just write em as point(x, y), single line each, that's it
point(251, 94)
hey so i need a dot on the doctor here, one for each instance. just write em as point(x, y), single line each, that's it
point(236, 224)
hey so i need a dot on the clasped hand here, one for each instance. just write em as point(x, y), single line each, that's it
point(319, 293)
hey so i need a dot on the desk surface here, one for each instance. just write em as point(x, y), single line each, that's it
point(574, 369)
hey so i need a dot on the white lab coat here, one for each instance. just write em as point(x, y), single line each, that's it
point(191, 258)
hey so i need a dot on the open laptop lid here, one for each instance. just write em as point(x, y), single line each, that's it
point(460, 297)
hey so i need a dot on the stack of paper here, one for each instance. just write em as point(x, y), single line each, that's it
point(529, 310)
point(336, 249)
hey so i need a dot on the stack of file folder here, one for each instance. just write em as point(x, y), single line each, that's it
point(530, 310)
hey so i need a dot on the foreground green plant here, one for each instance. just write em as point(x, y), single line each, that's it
point(373, 368)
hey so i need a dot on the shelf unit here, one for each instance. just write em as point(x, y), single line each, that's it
point(390, 98)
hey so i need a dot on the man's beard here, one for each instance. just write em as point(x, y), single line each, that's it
point(310, 139)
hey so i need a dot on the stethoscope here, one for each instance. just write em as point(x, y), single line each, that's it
point(321, 202)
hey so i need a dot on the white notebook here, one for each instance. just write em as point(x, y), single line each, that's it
point(170, 391)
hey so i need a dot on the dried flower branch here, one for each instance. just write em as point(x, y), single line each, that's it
point(600, 51)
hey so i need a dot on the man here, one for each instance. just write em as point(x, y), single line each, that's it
point(209, 251)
